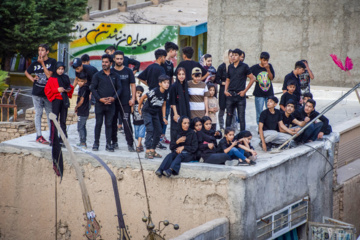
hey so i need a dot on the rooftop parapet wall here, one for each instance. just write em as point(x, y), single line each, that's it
point(201, 192)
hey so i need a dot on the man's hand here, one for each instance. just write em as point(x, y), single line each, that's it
point(234, 143)
point(179, 149)
point(110, 100)
point(207, 114)
point(217, 133)
point(297, 129)
point(131, 102)
point(307, 65)
point(253, 153)
point(103, 100)
point(301, 101)
point(264, 146)
point(176, 117)
point(76, 109)
point(307, 119)
point(40, 60)
point(135, 71)
point(36, 78)
point(165, 121)
point(227, 94)
point(61, 90)
point(210, 145)
point(139, 110)
point(242, 93)
point(320, 135)
point(266, 66)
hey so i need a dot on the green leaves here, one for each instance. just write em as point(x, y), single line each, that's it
point(27, 23)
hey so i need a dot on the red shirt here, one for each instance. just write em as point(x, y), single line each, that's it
point(52, 92)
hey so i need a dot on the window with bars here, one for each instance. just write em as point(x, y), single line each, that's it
point(284, 220)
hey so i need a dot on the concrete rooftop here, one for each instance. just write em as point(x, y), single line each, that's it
point(122, 158)
point(175, 12)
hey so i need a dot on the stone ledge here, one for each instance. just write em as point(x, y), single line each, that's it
point(217, 229)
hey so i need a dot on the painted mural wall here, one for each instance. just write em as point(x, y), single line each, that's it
point(137, 41)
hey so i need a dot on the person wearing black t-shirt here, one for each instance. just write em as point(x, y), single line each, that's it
point(127, 101)
point(156, 102)
point(111, 50)
point(264, 74)
point(289, 95)
point(220, 79)
point(87, 69)
point(150, 76)
point(171, 49)
point(235, 90)
point(315, 130)
point(189, 64)
point(82, 109)
point(294, 76)
point(270, 123)
point(43, 69)
point(106, 88)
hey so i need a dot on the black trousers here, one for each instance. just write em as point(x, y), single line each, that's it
point(173, 130)
point(125, 117)
point(174, 160)
point(153, 129)
point(61, 112)
point(103, 111)
point(239, 103)
point(216, 158)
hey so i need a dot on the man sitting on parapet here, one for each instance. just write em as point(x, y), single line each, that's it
point(315, 130)
point(270, 123)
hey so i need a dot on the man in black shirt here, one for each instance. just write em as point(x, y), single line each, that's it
point(289, 95)
point(127, 101)
point(315, 130)
point(106, 87)
point(87, 69)
point(264, 74)
point(270, 123)
point(235, 90)
point(294, 76)
point(189, 64)
point(111, 50)
point(150, 76)
point(43, 69)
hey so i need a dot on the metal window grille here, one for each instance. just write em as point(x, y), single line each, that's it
point(284, 220)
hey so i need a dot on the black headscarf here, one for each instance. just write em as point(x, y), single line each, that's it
point(64, 81)
point(181, 131)
point(183, 93)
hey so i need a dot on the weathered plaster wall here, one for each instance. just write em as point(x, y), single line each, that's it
point(27, 186)
point(289, 30)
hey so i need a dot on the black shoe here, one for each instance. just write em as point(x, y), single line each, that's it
point(252, 162)
point(167, 173)
point(160, 146)
point(116, 145)
point(269, 147)
point(131, 148)
point(158, 173)
point(109, 147)
point(95, 147)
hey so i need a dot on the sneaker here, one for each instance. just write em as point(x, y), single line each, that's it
point(95, 147)
point(42, 140)
point(131, 148)
point(109, 147)
point(121, 129)
point(165, 140)
point(82, 145)
point(160, 146)
point(115, 145)
point(158, 173)
point(167, 173)
point(232, 163)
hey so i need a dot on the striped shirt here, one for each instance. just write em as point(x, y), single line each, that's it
point(197, 94)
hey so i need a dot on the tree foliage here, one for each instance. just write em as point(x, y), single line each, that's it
point(27, 23)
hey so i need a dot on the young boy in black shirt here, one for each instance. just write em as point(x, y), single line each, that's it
point(235, 90)
point(156, 102)
point(82, 109)
point(150, 76)
point(270, 123)
point(43, 68)
point(294, 76)
point(289, 95)
point(264, 74)
point(189, 64)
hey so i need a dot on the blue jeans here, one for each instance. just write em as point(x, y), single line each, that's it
point(139, 131)
point(310, 133)
point(259, 106)
point(237, 153)
point(81, 127)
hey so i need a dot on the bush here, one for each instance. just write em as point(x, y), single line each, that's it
point(3, 76)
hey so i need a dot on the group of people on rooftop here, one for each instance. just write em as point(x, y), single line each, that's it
point(194, 95)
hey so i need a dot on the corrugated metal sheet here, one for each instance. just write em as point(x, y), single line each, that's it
point(349, 147)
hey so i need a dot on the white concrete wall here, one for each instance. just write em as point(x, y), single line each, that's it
point(290, 30)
